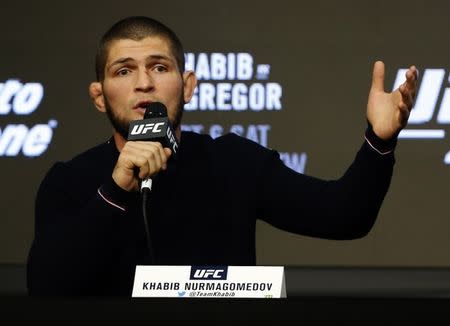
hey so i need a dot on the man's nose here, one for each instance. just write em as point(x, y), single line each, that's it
point(144, 82)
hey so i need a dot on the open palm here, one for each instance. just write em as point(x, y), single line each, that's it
point(388, 113)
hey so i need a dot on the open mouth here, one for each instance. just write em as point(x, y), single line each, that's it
point(142, 105)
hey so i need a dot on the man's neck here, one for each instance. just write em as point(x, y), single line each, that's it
point(118, 140)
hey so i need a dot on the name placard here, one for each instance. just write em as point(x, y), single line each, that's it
point(209, 281)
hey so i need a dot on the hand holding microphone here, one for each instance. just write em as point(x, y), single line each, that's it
point(153, 142)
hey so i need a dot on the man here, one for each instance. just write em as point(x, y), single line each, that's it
point(90, 233)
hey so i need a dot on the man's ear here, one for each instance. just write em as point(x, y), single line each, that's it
point(190, 82)
point(96, 93)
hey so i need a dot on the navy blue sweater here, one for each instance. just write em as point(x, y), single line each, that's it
point(89, 233)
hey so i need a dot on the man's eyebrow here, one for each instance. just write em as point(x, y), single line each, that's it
point(158, 57)
point(150, 57)
point(120, 61)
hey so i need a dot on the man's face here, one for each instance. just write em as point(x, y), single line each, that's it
point(138, 73)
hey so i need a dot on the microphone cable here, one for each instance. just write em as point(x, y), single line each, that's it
point(145, 200)
point(155, 115)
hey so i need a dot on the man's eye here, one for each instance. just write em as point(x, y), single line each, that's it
point(123, 72)
point(160, 68)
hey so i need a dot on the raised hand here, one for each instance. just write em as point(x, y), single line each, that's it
point(388, 113)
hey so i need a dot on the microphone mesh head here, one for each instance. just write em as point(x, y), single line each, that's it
point(154, 110)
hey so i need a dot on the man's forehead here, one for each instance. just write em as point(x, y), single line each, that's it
point(151, 45)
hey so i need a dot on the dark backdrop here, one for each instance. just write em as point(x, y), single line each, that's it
point(316, 58)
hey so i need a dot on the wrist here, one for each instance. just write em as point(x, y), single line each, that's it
point(114, 195)
point(380, 145)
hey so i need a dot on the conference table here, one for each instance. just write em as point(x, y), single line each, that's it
point(365, 296)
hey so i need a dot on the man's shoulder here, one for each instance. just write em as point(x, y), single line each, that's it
point(87, 164)
point(229, 139)
point(94, 156)
point(226, 146)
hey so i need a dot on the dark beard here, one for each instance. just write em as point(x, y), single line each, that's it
point(178, 115)
point(119, 125)
point(122, 126)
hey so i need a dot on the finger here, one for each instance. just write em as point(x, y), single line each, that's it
point(378, 76)
point(402, 106)
point(146, 157)
point(409, 102)
point(151, 162)
point(129, 157)
point(155, 155)
point(406, 94)
point(135, 162)
point(163, 156)
point(403, 115)
point(155, 158)
point(411, 76)
point(139, 161)
point(155, 148)
point(145, 167)
point(412, 79)
point(414, 71)
point(160, 157)
point(168, 152)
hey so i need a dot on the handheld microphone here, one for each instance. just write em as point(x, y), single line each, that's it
point(155, 126)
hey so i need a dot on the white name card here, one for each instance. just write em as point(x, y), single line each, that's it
point(209, 282)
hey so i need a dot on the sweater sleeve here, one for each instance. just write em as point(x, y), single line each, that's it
point(345, 208)
point(59, 263)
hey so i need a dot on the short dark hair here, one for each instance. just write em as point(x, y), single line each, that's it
point(136, 28)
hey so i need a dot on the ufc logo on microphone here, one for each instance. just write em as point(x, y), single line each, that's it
point(142, 129)
point(206, 273)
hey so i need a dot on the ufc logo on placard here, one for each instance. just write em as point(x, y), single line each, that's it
point(209, 273)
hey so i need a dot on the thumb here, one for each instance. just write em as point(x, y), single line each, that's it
point(378, 76)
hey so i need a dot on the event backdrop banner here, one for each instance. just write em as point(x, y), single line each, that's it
point(292, 76)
